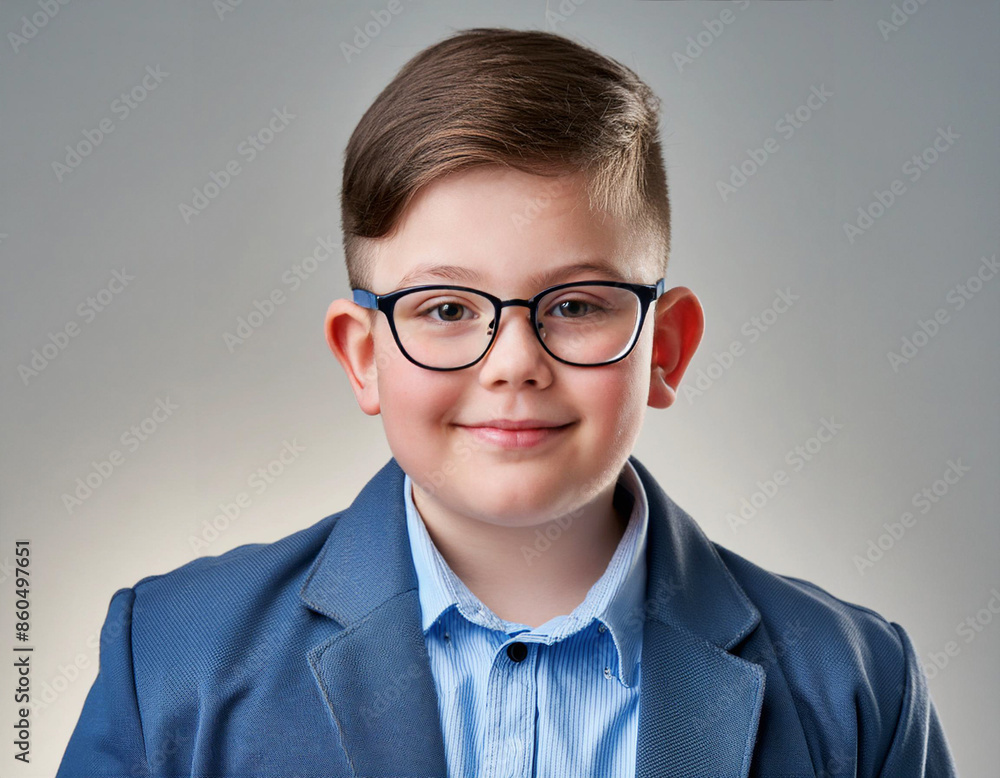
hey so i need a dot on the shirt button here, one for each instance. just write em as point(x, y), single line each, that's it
point(517, 652)
point(601, 628)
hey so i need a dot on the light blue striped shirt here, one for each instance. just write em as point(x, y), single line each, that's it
point(561, 699)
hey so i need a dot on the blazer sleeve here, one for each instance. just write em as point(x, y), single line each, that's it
point(919, 747)
point(108, 739)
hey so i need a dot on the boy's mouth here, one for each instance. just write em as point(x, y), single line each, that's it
point(521, 433)
point(518, 424)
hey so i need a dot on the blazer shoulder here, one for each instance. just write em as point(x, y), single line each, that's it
point(855, 679)
point(201, 608)
point(795, 611)
point(837, 657)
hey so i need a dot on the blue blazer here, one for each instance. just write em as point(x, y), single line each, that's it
point(305, 657)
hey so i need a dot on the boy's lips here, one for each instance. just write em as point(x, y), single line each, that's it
point(518, 424)
point(522, 433)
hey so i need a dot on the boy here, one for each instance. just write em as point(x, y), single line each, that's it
point(512, 593)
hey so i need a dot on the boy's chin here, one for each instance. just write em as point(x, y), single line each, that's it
point(515, 503)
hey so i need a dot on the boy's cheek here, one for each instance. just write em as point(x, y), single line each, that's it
point(414, 408)
point(615, 392)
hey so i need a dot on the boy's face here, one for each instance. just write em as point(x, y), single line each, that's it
point(505, 226)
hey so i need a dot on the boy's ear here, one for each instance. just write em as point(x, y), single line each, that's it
point(678, 324)
point(350, 337)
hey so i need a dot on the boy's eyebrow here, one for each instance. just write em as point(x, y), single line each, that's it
point(466, 275)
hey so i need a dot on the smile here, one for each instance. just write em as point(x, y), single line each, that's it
point(517, 438)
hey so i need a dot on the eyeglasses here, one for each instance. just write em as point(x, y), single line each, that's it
point(586, 323)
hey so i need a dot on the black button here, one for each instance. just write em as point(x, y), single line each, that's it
point(517, 652)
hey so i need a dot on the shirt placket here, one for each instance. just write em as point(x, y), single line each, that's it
point(511, 695)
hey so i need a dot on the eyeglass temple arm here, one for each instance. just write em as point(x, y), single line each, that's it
point(365, 299)
point(661, 286)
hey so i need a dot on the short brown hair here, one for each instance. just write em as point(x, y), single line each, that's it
point(526, 99)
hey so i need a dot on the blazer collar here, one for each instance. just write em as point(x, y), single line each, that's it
point(699, 705)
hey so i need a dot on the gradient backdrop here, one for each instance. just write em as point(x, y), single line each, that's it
point(117, 301)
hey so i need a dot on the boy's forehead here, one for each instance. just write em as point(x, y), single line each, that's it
point(502, 226)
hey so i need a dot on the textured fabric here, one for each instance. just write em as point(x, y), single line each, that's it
point(571, 705)
point(306, 657)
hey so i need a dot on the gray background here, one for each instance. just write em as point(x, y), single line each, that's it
point(826, 358)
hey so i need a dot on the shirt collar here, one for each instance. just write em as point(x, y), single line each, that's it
point(615, 600)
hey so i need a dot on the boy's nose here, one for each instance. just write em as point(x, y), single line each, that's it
point(516, 356)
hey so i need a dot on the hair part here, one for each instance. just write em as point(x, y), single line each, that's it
point(527, 99)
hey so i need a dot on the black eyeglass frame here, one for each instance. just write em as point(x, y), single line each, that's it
point(386, 303)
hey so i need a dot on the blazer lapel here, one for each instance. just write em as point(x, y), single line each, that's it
point(374, 672)
point(699, 705)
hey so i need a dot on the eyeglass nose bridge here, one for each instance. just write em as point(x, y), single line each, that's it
point(529, 304)
point(536, 327)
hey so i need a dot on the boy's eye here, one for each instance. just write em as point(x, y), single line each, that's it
point(450, 311)
point(447, 311)
point(574, 309)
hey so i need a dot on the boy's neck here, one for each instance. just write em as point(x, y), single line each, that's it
point(510, 573)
